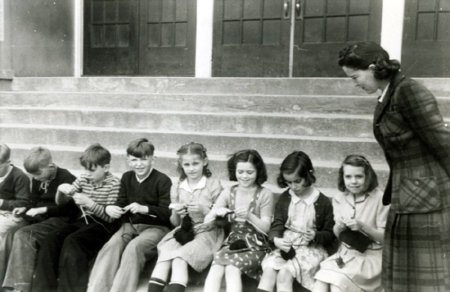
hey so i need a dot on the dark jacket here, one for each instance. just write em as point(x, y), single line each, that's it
point(324, 221)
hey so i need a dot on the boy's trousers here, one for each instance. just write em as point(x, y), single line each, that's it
point(25, 248)
point(9, 224)
point(66, 255)
point(121, 260)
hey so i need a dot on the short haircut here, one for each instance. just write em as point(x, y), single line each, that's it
point(248, 155)
point(37, 158)
point(94, 156)
point(140, 148)
point(192, 148)
point(299, 162)
point(361, 55)
point(5, 153)
point(371, 181)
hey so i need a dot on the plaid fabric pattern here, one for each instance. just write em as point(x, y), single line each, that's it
point(416, 141)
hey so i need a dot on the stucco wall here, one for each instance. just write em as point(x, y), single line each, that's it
point(42, 37)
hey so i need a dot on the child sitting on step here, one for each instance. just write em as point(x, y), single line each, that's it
point(14, 194)
point(143, 208)
point(357, 210)
point(64, 255)
point(193, 242)
point(252, 208)
point(45, 214)
point(302, 229)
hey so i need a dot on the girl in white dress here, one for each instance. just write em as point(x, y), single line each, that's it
point(193, 196)
point(359, 207)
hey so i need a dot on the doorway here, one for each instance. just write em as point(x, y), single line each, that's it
point(252, 38)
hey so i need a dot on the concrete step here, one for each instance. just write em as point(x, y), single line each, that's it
point(338, 86)
point(276, 103)
point(318, 147)
point(336, 125)
point(68, 157)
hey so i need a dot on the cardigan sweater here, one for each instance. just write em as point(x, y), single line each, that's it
point(324, 221)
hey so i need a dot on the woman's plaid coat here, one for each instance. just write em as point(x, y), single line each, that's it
point(416, 142)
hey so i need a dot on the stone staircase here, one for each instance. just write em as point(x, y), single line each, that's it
point(328, 118)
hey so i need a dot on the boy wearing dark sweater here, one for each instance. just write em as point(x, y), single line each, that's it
point(14, 194)
point(47, 216)
point(144, 198)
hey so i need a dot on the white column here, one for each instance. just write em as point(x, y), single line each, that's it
point(204, 38)
point(392, 27)
point(78, 39)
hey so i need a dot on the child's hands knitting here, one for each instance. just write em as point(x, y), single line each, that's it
point(136, 208)
point(114, 211)
point(282, 244)
point(83, 200)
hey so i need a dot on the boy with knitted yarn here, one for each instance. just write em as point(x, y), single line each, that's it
point(46, 177)
point(143, 207)
point(68, 251)
point(14, 193)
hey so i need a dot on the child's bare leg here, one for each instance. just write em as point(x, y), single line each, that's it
point(268, 279)
point(320, 286)
point(214, 279)
point(284, 280)
point(233, 279)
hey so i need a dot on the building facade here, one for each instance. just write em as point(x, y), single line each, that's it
point(217, 38)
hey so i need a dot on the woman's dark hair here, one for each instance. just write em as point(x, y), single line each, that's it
point(363, 54)
point(371, 181)
point(297, 161)
point(248, 155)
point(192, 148)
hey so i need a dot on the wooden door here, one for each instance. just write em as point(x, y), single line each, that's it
point(324, 27)
point(167, 37)
point(426, 38)
point(111, 37)
point(251, 37)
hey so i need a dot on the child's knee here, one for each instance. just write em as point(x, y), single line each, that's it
point(284, 276)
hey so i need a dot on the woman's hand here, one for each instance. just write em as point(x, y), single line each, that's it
point(309, 235)
point(282, 244)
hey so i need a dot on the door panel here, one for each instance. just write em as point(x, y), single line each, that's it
point(110, 44)
point(251, 38)
point(323, 27)
point(426, 38)
point(167, 39)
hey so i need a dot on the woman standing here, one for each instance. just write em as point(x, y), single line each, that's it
point(416, 142)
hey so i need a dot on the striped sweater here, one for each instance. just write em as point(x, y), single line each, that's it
point(103, 194)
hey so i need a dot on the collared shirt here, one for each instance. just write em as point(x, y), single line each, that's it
point(383, 93)
point(302, 214)
point(140, 180)
point(200, 185)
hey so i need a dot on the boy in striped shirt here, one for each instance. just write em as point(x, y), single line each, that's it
point(66, 253)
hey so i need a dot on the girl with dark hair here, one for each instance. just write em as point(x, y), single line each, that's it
point(194, 241)
point(252, 208)
point(410, 129)
point(357, 208)
point(302, 230)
